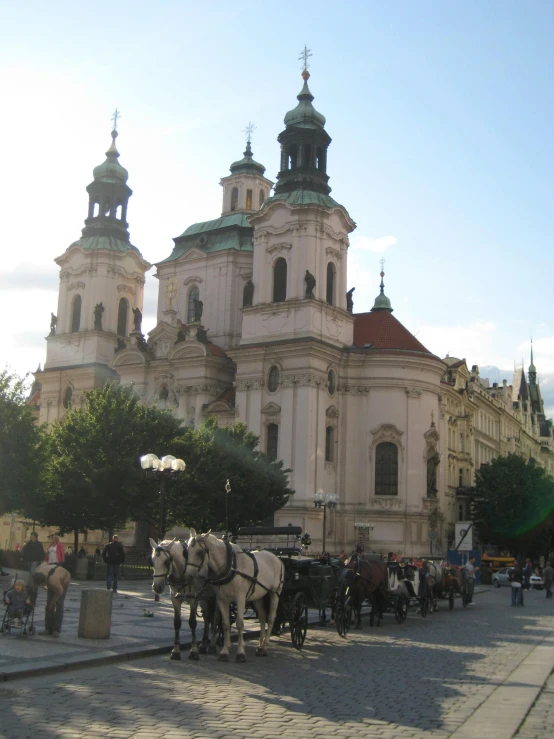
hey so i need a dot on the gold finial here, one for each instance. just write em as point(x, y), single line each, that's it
point(249, 130)
point(115, 117)
point(304, 56)
point(170, 293)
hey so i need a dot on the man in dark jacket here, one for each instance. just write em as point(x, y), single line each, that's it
point(114, 556)
point(33, 553)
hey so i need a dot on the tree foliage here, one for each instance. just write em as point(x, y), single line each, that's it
point(259, 485)
point(513, 505)
point(23, 450)
point(95, 480)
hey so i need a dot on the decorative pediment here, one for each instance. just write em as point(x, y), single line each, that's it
point(193, 279)
point(278, 248)
point(330, 251)
point(127, 357)
point(192, 254)
point(76, 286)
point(271, 413)
point(387, 432)
point(126, 290)
point(190, 349)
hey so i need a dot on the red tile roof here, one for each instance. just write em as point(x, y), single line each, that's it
point(384, 332)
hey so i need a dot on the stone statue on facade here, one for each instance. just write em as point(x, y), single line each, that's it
point(432, 464)
point(350, 300)
point(53, 324)
point(137, 319)
point(309, 279)
point(248, 294)
point(98, 311)
point(198, 310)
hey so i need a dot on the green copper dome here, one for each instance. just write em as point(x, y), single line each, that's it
point(111, 170)
point(247, 163)
point(381, 301)
point(305, 115)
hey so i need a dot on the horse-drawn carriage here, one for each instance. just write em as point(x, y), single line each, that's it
point(308, 582)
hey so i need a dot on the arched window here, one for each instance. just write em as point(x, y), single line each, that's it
point(308, 155)
point(280, 280)
point(329, 444)
point(273, 379)
point(293, 156)
point(67, 398)
point(272, 444)
point(319, 158)
point(262, 198)
point(122, 313)
point(194, 295)
point(118, 212)
point(249, 200)
point(386, 469)
point(331, 283)
point(76, 314)
point(95, 210)
point(234, 198)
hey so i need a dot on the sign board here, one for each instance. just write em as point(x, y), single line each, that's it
point(463, 539)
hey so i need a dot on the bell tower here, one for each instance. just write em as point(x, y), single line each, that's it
point(101, 283)
point(300, 240)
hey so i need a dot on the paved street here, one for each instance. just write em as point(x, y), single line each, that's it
point(473, 672)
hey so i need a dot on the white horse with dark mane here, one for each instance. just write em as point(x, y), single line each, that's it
point(238, 576)
point(169, 559)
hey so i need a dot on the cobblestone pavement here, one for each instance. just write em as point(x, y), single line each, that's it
point(423, 678)
point(540, 721)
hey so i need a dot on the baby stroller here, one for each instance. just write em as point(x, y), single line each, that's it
point(27, 622)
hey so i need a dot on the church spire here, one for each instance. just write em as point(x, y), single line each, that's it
point(381, 301)
point(109, 195)
point(304, 143)
point(532, 368)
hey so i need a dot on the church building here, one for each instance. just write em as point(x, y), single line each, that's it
point(255, 322)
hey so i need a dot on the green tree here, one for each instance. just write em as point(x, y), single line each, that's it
point(259, 485)
point(94, 476)
point(513, 505)
point(23, 450)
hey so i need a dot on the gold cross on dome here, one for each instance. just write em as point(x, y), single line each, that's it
point(382, 265)
point(249, 130)
point(304, 56)
point(170, 293)
point(115, 117)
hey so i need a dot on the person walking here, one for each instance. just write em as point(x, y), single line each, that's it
point(470, 571)
point(114, 556)
point(527, 572)
point(55, 579)
point(33, 553)
point(55, 554)
point(516, 577)
point(548, 575)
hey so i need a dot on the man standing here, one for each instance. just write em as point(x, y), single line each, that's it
point(548, 575)
point(527, 572)
point(33, 553)
point(55, 579)
point(470, 576)
point(114, 556)
point(516, 578)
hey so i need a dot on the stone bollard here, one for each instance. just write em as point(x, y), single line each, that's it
point(95, 616)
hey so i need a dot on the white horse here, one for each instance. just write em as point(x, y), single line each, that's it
point(240, 577)
point(169, 559)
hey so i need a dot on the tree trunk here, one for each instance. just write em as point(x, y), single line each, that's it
point(75, 541)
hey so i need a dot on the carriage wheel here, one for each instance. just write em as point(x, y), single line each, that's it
point(401, 611)
point(298, 620)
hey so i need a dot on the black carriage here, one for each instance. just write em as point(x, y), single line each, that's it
point(309, 582)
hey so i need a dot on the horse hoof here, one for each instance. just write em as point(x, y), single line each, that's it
point(194, 656)
point(212, 650)
point(240, 658)
point(223, 658)
point(175, 655)
point(260, 652)
point(202, 649)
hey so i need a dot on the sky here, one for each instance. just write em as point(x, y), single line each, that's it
point(441, 116)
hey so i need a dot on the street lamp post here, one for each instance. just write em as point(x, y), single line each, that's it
point(164, 469)
point(227, 491)
point(325, 501)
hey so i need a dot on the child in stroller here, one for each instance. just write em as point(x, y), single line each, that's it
point(20, 602)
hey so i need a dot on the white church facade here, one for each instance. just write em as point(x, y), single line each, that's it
point(255, 322)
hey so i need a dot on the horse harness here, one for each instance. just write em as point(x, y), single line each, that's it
point(229, 570)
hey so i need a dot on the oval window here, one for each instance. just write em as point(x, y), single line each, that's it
point(331, 382)
point(273, 379)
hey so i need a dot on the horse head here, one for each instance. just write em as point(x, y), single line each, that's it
point(163, 559)
point(198, 550)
